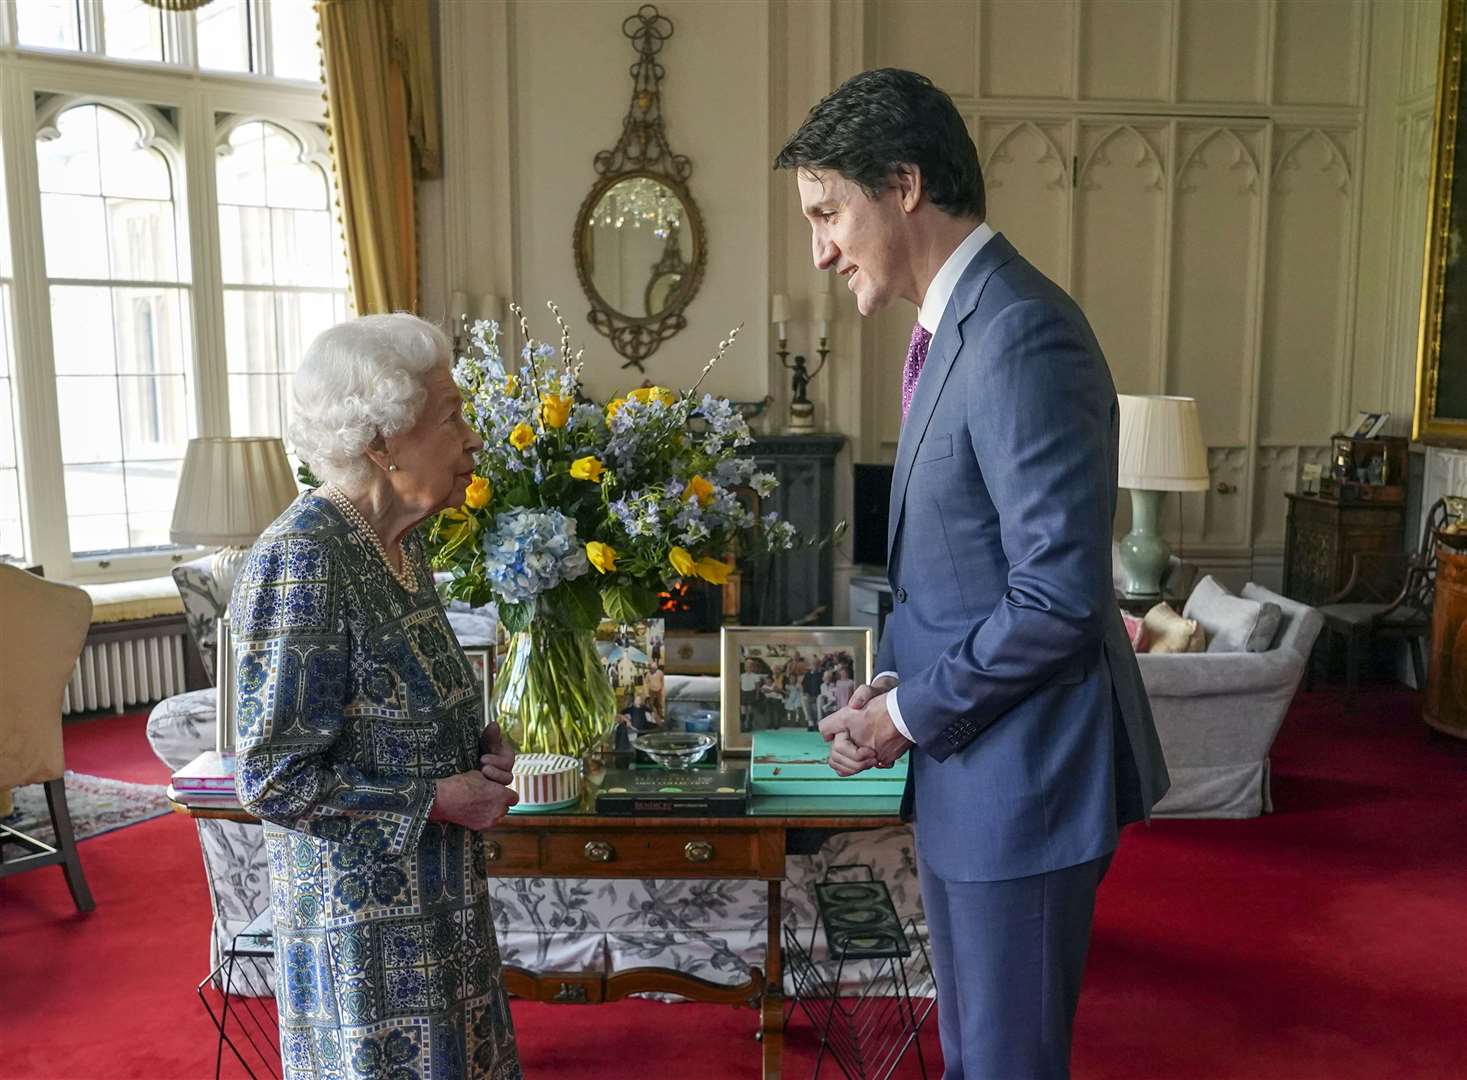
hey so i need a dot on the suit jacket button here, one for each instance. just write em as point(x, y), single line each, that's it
point(901, 595)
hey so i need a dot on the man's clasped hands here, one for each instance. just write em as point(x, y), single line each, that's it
point(862, 735)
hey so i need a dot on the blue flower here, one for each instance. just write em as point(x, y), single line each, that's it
point(528, 552)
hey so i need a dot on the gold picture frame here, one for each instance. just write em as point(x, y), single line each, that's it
point(768, 700)
point(1440, 414)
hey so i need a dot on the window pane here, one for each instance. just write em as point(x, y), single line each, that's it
point(11, 542)
point(294, 39)
point(128, 170)
point(96, 534)
point(302, 245)
point(150, 331)
point(67, 161)
point(51, 24)
point(7, 427)
point(91, 430)
point(249, 330)
point(75, 231)
point(288, 180)
point(299, 318)
point(81, 330)
point(240, 169)
point(140, 236)
point(154, 423)
point(132, 30)
point(223, 35)
point(255, 404)
point(244, 244)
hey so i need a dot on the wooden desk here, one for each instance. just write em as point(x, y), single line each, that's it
point(578, 843)
point(1445, 707)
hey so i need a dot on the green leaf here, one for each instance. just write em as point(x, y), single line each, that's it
point(629, 602)
point(576, 604)
point(516, 617)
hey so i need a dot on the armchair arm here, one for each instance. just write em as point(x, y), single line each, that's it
point(1376, 577)
point(1201, 674)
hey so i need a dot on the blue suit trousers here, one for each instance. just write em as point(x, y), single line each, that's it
point(1008, 957)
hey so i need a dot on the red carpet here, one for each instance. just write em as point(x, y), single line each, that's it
point(1328, 940)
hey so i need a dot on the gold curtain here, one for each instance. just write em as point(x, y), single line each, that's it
point(381, 97)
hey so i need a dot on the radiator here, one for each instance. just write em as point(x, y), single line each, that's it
point(116, 674)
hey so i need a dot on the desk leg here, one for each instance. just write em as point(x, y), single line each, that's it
point(772, 1009)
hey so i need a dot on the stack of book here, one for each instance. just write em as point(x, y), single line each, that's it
point(208, 778)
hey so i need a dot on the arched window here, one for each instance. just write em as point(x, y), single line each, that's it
point(282, 263)
point(117, 273)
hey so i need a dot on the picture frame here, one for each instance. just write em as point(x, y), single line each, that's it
point(1369, 424)
point(635, 655)
point(759, 666)
point(481, 662)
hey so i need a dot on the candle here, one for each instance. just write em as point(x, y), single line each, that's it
point(821, 308)
point(458, 306)
point(779, 312)
point(491, 307)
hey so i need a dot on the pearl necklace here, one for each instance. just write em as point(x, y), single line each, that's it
point(407, 577)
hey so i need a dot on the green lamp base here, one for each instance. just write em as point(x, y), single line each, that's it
point(1145, 554)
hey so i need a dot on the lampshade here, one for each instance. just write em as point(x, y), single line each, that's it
point(1161, 444)
point(230, 490)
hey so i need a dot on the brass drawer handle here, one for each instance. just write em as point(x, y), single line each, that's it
point(599, 851)
point(698, 850)
point(492, 851)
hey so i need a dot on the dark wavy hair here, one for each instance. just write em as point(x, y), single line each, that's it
point(880, 119)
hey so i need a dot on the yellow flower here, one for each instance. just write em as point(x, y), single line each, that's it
point(587, 468)
point(681, 561)
point(602, 556)
point(455, 525)
point(613, 407)
point(476, 496)
point(555, 410)
point(645, 394)
point(512, 384)
point(712, 570)
point(522, 436)
point(699, 489)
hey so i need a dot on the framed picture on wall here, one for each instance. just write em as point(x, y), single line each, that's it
point(788, 677)
point(481, 662)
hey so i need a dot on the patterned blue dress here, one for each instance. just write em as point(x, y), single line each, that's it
point(353, 699)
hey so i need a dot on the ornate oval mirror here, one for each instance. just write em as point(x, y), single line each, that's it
point(639, 240)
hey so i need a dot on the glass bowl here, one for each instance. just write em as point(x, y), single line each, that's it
point(674, 749)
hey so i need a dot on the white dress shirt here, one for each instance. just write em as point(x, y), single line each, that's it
point(934, 303)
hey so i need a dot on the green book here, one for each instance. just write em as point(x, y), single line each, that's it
point(794, 762)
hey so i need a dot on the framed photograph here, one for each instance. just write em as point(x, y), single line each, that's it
point(481, 661)
point(1369, 424)
point(636, 661)
point(1311, 476)
point(787, 677)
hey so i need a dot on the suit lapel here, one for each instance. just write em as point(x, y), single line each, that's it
point(943, 351)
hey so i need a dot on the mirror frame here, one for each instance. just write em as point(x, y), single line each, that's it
point(637, 337)
point(1448, 159)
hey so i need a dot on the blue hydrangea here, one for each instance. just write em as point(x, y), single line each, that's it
point(528, 552)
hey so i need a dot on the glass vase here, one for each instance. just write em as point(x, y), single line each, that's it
point(553, 695)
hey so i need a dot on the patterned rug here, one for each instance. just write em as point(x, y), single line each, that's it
point(98, 805)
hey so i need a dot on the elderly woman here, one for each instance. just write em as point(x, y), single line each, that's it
point(360, 737)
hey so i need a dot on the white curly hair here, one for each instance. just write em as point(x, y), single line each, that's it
point(358, 380)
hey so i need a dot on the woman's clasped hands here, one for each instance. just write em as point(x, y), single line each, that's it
point(479, 799)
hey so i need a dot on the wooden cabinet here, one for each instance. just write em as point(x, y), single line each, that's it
point(1446, 683)
point(1323, 535)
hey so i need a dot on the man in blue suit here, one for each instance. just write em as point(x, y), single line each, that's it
point(1005, 667)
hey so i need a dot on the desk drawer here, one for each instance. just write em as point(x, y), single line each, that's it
point(653, 852)
point(506, 850)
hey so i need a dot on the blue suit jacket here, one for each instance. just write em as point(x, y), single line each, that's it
point(1034, 734)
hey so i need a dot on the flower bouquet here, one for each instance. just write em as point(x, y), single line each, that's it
point(579, 511)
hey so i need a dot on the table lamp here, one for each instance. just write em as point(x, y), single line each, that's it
point(1161, 450)
point(229, 491)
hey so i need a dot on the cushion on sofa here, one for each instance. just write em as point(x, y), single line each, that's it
point(1168, 632)
point(1233, 623)
point(1136, 631)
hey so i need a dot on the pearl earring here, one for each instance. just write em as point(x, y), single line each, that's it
point(391, 467)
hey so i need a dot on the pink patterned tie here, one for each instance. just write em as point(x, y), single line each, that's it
point(916, 357)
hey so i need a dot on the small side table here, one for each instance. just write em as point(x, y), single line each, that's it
point(244, 978)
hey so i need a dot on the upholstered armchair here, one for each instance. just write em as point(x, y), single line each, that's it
point(43, 624)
